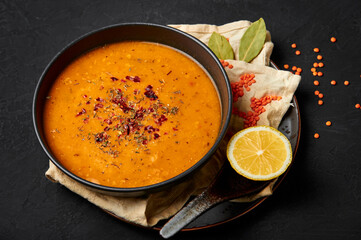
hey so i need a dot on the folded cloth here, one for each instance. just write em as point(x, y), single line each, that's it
point(148, 210)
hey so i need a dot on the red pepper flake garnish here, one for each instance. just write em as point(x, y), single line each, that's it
point(114, 79)
point(100, 99)
point(156, 135)
point(121, 103)
point(139, 114)
point(150, 129)
point(145, 142)
point(108, 121)
point(83, 111)
point(169, 72)
point(97, 106)
point(106, 128)
point(85, 96)
point(149, 93)
point(101, 87)
point(100, 137)
point(122, 80)
point(132, 126)
point(175, 129)
point(86, 120)
point(136, 91)
point(160, 120)
point(134, 79)
point(88, 102)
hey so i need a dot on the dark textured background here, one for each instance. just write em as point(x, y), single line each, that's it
point(320, 197)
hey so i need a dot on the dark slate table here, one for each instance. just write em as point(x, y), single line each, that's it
point(320, 197)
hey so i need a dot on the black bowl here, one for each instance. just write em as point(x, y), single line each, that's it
point(139, 32)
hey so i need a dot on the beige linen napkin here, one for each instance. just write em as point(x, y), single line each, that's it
point(148, 210)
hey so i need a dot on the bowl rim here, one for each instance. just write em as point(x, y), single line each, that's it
point(146, 188)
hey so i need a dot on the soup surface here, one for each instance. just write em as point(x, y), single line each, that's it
point(131, 114)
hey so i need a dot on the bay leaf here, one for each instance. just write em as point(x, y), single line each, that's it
point(220, 46)
point(252, 41)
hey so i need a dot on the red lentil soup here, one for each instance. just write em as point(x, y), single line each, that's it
point(131, 114)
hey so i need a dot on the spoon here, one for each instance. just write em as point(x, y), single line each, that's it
point(227, 185)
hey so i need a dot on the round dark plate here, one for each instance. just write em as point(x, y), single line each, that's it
point(290, 126)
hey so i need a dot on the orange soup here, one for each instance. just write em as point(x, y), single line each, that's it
point(131, 114)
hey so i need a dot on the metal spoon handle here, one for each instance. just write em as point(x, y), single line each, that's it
point(193, 209)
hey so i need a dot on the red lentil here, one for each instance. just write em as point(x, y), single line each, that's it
point(293, 45)
point(257, 105)
point(246, 80)
point(298, 52)
point(319, 57)
point(328, 123)
point(316, 83)
point(316, 50)
point(346, 83)
point(333, 39)
point(316, 135)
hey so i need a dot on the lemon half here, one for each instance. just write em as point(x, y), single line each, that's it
point(259, 153)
